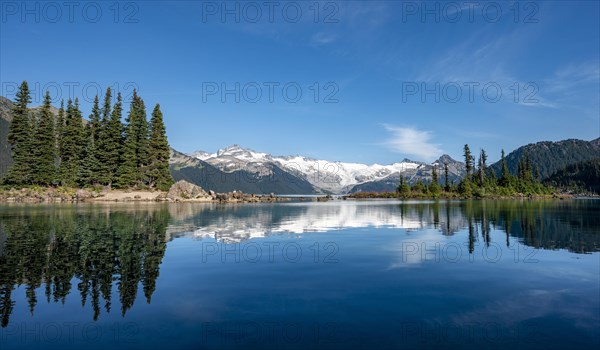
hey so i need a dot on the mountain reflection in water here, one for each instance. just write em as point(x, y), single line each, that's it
point(95, 248)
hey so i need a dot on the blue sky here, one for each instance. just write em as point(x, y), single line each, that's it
point(361, 81)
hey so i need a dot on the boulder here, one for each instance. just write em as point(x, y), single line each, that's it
point(186, 190)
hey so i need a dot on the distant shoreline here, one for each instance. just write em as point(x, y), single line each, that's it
point(74, 195)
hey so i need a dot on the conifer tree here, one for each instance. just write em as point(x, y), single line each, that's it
point(434, 186)
point(20, 138)
point(72, 140)
point(44, 146)
point(482, 167)
point(446, 179)
point(403, 186)
point(468, 162)
point(90, 168)
point(504, 178)
point(60, 127)
point(128, 169)
point(106, 108)
point(158, 173)
point(113, 143)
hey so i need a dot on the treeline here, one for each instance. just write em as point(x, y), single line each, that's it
point(580, 177)
point(63, 150)
point(481, 181)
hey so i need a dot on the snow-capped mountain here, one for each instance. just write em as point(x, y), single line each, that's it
point(325, 176)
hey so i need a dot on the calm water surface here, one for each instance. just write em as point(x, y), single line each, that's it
point(341, 275)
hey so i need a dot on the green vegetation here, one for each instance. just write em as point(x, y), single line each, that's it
point(62, 150)
point(479, 182)
point(579, 177)
point(550, 157)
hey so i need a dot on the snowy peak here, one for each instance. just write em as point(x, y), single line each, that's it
point(326, 176)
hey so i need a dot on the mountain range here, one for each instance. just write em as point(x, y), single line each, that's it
point(325, 176)
point(238, 168)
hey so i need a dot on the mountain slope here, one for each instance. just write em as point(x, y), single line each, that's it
point(267, 179)
point(552, 156)
point(582, 175)
point(326, 176)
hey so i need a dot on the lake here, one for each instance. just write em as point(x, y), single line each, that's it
point(297, 275)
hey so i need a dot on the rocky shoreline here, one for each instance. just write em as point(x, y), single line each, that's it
point(186, 192)
point(181, 191)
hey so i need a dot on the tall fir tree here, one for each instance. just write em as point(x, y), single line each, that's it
point(446, 178)
point(72, 139)
point(90, 169)
point(43, 162)
point(434, 186)
point(20, 139)
point(468, 161)
point(60, 127)
point(141, 132)
point(113, 142)
point(158, 173)
point(128, 174)
point(505, 175)
point(482, 167)
point(103, 173)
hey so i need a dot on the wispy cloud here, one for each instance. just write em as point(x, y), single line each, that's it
point(413, 142)
point(322, 38)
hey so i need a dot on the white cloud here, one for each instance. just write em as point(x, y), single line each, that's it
point(322, 38)
point(413, 142)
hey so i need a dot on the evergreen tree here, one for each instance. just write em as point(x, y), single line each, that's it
point(60, 128)
point(113, 143)
point(90, 168)
point(106, 108)
point(72, 140)
point(128, 168)
point(434, 186)
point(403, 187)
point(482, 167)
point(44, 146)
point(468, 162)
point(446, 178)
point(528, 170)
point(20, 139)
point(158, 173)
point(505, 174)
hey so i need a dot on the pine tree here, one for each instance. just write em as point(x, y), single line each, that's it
point(44, 146)
point(113, 143)
point(504, 178)
point(72, 137)
point(482, 167)
point(158, 173)
point(60, 128)
point(468, 162)
point(434, 186)
point(20, 138)
point(106, 108)
point(142, 137)
point(403, 186)
point(128, 174)
point(446, 178)
point(90, 169)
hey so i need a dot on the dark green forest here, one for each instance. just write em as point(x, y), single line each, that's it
point(67, 150)
point(579, 177)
